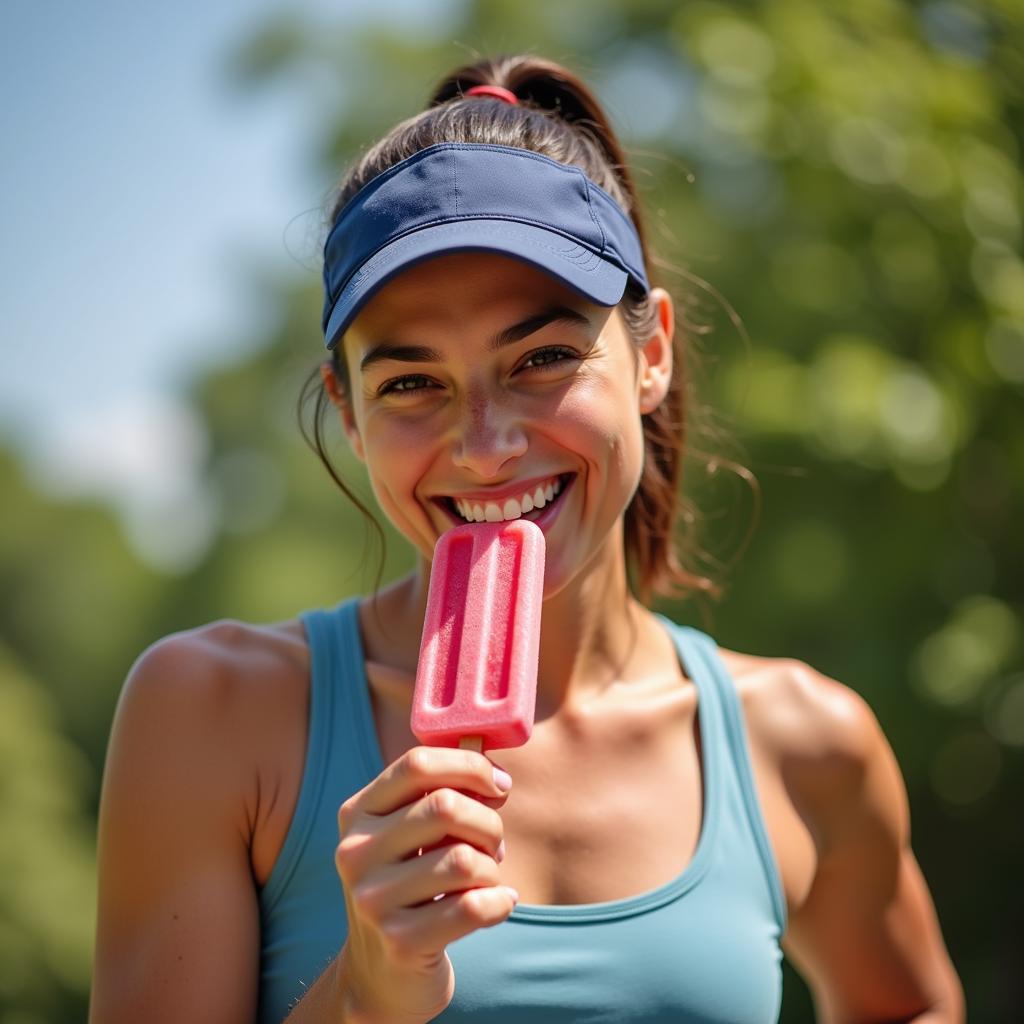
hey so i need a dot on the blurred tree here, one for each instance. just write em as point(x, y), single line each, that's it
point(849, 178)
point(47, 863)
point(75, 602)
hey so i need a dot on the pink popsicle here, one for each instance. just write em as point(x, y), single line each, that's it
point(476, 681)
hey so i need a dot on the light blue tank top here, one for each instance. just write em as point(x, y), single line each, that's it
point(704, 947)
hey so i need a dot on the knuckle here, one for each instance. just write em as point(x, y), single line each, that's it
point(416, 764)
point(346, 815)
point(476, 907)
point(460, 861)
point(349, 852)
point(442, 803)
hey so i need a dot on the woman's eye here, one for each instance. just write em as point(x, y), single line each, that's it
point(403, 385)
point(547, 356)
point(413, 382)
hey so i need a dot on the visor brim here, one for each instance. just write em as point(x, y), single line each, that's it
point(580, 268)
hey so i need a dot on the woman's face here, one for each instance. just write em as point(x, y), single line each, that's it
point(482, 385)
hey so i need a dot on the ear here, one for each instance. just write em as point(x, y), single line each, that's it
point(655, 369)
point(344, 406)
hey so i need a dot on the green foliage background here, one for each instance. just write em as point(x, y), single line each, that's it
point(848, 177)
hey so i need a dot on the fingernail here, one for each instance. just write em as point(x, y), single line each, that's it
point(500, 855)
point(502, 780)
point(512, 892)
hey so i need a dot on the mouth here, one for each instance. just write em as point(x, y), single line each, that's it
point(538, 504)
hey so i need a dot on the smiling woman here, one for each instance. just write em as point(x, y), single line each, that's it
point(274, 841)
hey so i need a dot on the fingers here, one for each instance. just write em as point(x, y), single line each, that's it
point(422, 769)
point(440, 816)
point(432, 813)
point(406, 907)
point(454, 868)
point(457, 914)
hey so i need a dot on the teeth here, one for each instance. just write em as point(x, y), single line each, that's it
point(491, 512)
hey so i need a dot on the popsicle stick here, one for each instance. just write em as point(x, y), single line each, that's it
point(472, 743)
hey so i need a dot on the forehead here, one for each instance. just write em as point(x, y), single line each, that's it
point(459, 286)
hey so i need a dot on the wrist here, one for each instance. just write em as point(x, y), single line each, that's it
point(358, 1006)
point(354, 1009)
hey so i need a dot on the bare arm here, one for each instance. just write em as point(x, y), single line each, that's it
point(867, 938)
point(178, 926)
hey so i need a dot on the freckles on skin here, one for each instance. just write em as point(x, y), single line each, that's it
point(478, 402)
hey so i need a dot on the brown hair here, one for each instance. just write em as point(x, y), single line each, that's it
point(558, 116)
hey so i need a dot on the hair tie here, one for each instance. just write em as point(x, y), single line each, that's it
point(496, 91)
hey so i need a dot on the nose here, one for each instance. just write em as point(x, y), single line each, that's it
point(488, 435)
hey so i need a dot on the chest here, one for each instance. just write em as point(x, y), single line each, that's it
point(614, 807)
point(602, 811)
point(606, 813)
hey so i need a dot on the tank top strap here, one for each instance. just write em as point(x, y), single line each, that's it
point(352, 714)
point(727, 743)
point(339, 754)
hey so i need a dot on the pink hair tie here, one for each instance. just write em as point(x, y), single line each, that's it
point(496, 91)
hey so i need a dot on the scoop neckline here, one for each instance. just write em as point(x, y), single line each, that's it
point(627, 906)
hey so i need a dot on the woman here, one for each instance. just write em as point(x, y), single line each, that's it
point(272, 836)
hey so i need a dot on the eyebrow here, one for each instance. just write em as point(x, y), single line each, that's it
point(387, 349)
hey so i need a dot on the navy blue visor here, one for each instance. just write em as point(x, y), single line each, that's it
point(455, 197)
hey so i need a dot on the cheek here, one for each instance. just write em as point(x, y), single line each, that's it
point(396, 447)
point(602, 423)
point(396, 461)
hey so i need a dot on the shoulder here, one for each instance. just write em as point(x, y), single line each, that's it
point(211, 726)
point(219, 664)
point(223, 688)
point(822, 735)
point(805, 713)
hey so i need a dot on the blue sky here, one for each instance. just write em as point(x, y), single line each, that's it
point(138, 190)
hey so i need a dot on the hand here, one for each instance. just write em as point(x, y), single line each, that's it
point(418, 860)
